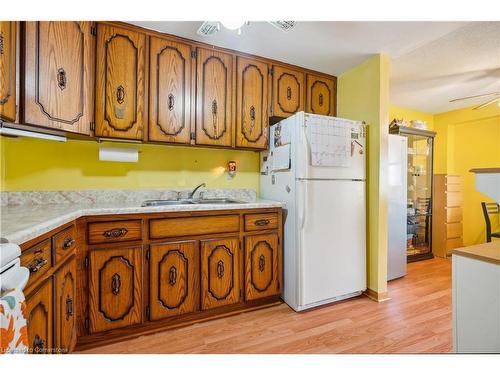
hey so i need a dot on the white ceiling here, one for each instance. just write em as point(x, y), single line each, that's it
point(433, 62)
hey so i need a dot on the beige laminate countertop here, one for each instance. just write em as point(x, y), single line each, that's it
point(487, 252)
point(19, 224)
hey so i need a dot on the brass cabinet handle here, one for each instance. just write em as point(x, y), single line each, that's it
point(36, 264)
point(69, 307)
point(115, 232)
point(172, 275)
point(1, 43)
point(38, 345)
point(289, 93)
point(262, 263)
point(320, 99)
point(120, 94)
point(261, 222)
point(171, 102)
point(61, 78)
point(252, 118)
point(220, 269)
point(214, 117)
point(115, 284)
point(68, 242)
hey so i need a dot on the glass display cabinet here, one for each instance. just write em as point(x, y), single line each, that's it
point(419, 204)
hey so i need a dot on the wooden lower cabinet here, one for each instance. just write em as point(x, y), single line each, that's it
point(39, 316)
point(220, 276)
point(65, 306)
point(173, 279)
point(261, 266)
point(115, 288)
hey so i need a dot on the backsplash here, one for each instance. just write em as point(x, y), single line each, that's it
point(21, 198)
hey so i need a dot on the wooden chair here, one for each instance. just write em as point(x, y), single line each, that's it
point(488, 210)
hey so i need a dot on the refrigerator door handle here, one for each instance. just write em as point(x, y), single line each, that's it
point(302, 203)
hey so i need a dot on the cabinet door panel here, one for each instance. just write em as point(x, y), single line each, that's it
point(8, 30)
point(115, 285)
point(120, 85)
point(320, 95)
point(220, 282)
point(65, 306)
point(288, 95)
point(261, 266)
point(59, 75)
point(214, 98)
point(39, 315)
point(251, 108)
point(170, 91)
point(174, 281)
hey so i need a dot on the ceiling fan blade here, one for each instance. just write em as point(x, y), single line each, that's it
point(474, 96)
point(487, 103)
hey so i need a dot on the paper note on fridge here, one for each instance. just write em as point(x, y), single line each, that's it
point(330, 143)
point(281, 158)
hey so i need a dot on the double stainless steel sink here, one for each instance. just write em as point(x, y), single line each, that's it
point(172, 202)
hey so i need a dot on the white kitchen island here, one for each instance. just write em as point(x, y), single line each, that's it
point(476, 298)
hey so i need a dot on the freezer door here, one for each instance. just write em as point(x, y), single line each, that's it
point(332, 239)
point(316, 133)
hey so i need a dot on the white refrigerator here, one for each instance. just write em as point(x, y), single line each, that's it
point(316, 165)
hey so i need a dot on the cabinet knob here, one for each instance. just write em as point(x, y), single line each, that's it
point(220, 269)
point(320, 100)
point(38, 345)
point(115, 232)
point(37, 264)
point(262, 263)
point(262, 222)
point(120, 94)
point(115, 284)
point(171, 102)
point(172, 275)
point(61, 78)
point(68, 242)
point(69, 307)
point(289, 93)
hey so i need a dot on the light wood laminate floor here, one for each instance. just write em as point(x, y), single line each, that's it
point(417, 319)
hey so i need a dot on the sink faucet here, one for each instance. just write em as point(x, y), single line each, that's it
point(191, 195)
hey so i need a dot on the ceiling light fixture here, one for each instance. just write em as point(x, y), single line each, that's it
point(234, 25)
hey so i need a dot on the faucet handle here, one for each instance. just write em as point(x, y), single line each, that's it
point(202, 192)
point(179, 196)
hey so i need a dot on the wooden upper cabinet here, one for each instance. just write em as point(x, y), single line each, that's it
point(59, 72)
point(174, 279)
point(262, 269)
point(65, 308)
point(115, 286)
point(214, 98)
point(8, 32)
point(320, 95)
point(170, 80)
point(120, 83)
point(220, 275)
point(39, 318)
point(252, 104)
point(288, 91)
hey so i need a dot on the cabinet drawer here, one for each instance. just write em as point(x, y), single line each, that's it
point(64, 242)
point(114, 231)
point(453, 198)
point(453, 244)
point(453, 214)
point(453, 180)
point(38, 260)
point(261, 221)
point(193, 226)
point(453, 230)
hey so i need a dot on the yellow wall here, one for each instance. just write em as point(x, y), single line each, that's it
point(472, 140)
point(407, 114)
point(363, 94)
point(32, 164)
